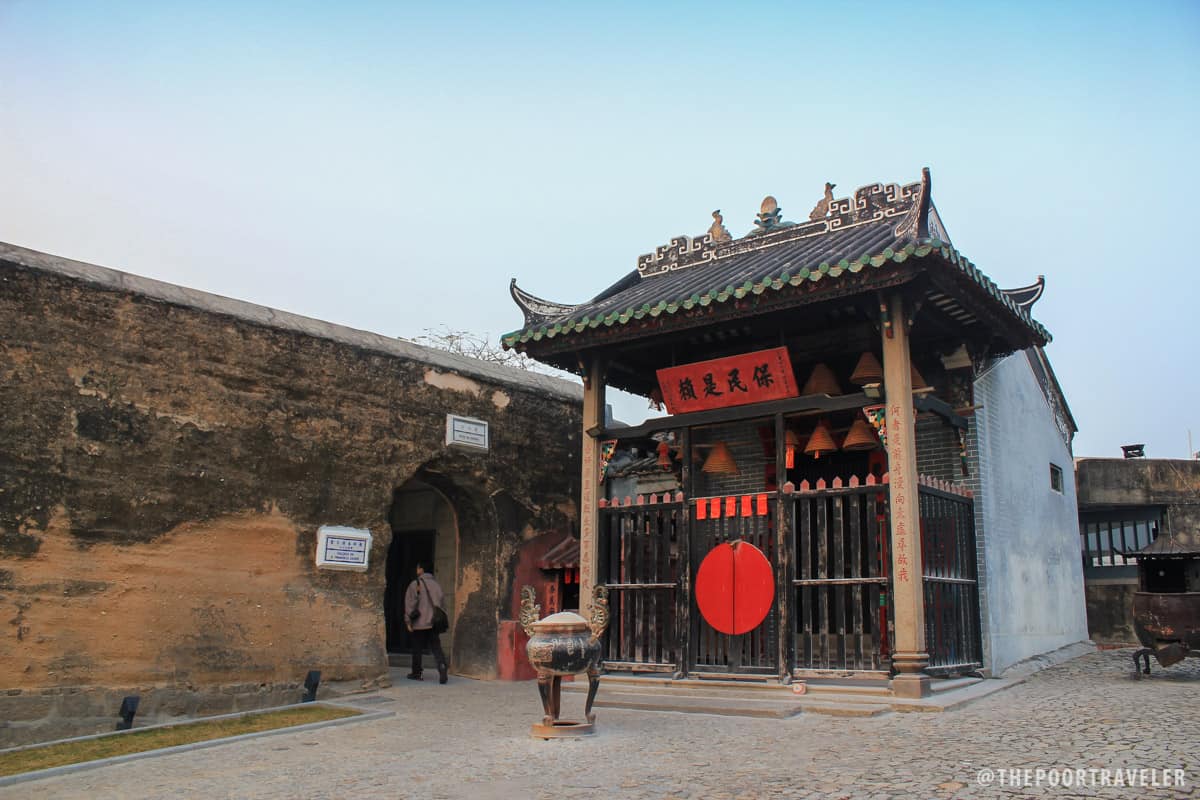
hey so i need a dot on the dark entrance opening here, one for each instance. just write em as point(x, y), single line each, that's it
point(408, 548)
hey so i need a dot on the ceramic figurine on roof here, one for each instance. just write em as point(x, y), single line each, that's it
point(770, 217)
point(822, 207)
point(718, 231)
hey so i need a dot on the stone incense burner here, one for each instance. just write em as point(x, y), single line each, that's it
point(564, 644)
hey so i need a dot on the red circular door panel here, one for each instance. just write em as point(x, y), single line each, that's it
point(735, 586)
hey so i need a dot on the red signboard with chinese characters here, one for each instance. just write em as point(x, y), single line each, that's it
point(732, 381)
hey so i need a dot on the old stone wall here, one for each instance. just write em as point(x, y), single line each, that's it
point(1171, 486)
point(166, 458)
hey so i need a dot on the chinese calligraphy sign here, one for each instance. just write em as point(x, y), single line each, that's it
point(732, 381)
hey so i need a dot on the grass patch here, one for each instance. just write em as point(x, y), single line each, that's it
point(120, 744)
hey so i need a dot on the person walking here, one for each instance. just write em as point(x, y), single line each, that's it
point(422, 596)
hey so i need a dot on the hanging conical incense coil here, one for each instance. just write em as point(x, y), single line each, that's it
point(860, 436)
point(868, 370)
point(918, 381)
point(720, 461)
point(791, 441)
point(664, 455)
point(821, 441)
point(821, 381)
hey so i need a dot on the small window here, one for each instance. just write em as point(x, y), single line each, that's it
point(1056, 478)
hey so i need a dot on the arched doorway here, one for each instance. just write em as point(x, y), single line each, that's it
point(424, 529)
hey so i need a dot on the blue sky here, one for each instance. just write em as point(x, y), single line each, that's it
point(391, 166)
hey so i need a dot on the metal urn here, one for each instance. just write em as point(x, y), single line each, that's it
point(564, 644)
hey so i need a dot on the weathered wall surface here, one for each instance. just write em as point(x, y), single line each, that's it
point(1110, 611)
point(1171, 484)
point(167, 456)
point(1029, 533)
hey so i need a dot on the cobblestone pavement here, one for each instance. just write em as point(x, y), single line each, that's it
point(471, 740)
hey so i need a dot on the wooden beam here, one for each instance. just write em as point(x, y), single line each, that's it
point(940, 407)
point(815, 403)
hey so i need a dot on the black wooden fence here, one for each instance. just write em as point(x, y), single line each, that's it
point(840, 576)
point(952, 628)
point(640, 552)
point(836, 540)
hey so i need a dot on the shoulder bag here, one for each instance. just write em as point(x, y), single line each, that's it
point(441, 623)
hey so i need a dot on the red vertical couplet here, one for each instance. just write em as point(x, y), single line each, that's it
point(735, 587)
point(898, 478)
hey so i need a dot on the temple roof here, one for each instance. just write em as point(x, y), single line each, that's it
point(881, 229)
point(1166, 546)
point(1026, 296)
point(564, 555)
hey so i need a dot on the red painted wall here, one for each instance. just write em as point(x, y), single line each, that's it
point(512, 663)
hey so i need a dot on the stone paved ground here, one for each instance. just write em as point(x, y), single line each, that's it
point(470, 740)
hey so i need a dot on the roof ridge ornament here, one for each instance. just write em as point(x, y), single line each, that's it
point(681, 251)
point(770, 217)
point(535, 309)
point(868, 204)
point(1026, 296)
point(717, 230)
point(821, 209)
point(915, 224)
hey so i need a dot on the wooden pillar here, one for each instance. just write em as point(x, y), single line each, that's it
point(784, 562)
point(589, 513)
point(908, 598)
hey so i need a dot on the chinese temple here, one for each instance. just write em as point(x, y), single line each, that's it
point(842, 395)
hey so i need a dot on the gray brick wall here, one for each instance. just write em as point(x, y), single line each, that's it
point(938, 450)
point(1027, 541)
point(746, 446)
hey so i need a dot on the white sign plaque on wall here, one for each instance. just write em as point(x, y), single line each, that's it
point(343, 548)
point(466, 433)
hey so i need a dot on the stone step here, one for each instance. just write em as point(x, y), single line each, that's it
point(769, 698)
point(950, 684)
point(842, 693)
point(837, 708)
point(702, 689)
point(881, 690)
point(726, 704)
point(770, 685)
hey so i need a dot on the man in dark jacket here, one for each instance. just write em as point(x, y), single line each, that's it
point(422, 596)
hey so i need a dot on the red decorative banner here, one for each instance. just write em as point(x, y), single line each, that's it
point(716, 507)
point(731, 381)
